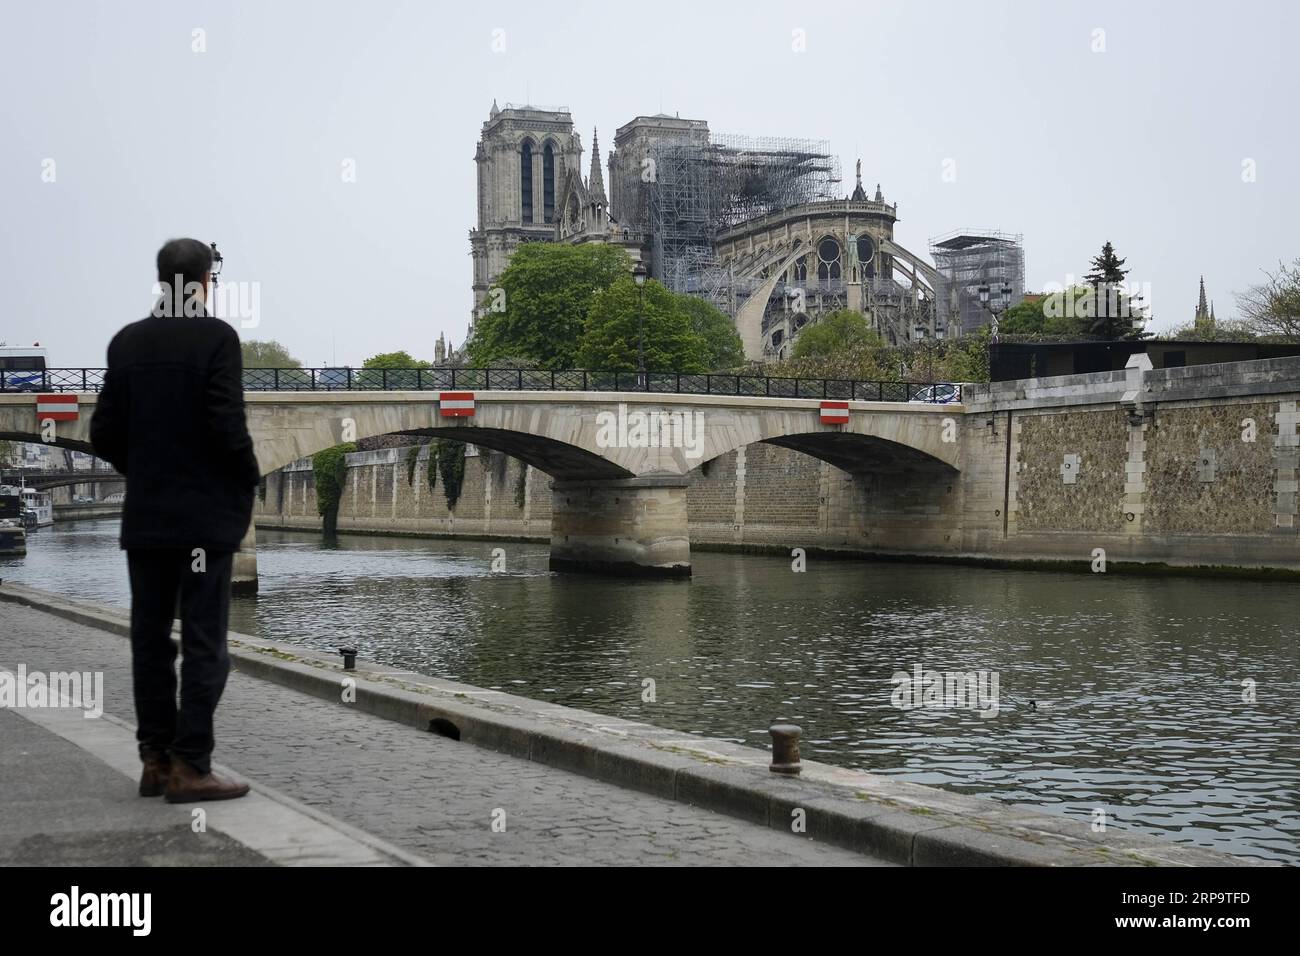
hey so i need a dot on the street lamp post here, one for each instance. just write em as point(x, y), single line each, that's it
point(921, 335)
point(639, 277)
point(217, 262)
point(997, 306)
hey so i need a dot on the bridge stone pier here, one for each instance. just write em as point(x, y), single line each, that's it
point(628, 526)
point(619, 461)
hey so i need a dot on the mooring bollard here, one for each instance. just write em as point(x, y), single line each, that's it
point(785, 748)
point(349, 658)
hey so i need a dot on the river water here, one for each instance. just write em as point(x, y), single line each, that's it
point(1169, 703)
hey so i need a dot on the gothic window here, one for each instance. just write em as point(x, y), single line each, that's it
point(548, 183)
point(526, 182)
point(867, 256)
point(866, 249)
point(801, 270)
point(828, 259)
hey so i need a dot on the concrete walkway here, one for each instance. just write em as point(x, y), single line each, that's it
point(331, 785)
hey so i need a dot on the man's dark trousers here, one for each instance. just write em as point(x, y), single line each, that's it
point(158, 578)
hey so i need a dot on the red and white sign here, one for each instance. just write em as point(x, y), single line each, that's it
point(456, 404)
point(835, 413)
point(59, 408)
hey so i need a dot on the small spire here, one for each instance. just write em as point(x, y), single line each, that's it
point(492, 113)
point(879, 195)
point(1201, 308)
point(596, 182)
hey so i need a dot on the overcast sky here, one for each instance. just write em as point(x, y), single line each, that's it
point(1069, 122)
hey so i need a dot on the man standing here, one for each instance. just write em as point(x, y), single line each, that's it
point(170, 418)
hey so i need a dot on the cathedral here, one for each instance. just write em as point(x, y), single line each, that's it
point(758, 227)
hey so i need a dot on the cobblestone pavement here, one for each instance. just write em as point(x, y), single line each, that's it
point(426, 794)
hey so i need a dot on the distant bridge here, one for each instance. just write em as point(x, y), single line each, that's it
point(45, 479)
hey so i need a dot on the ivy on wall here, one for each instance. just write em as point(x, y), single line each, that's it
point(330, 470)
point(451, 467)
point(521, 486)
point(412, 459)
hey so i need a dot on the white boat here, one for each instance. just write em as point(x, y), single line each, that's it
point(13, 536)
point(40, 503)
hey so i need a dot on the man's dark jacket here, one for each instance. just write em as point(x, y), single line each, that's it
point(171, 419)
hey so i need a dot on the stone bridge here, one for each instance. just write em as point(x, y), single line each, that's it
point(619, 460)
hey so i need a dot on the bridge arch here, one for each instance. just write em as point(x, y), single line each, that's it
point(552, 443)
point(918, 437)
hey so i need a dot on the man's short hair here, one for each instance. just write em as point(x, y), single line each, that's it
point(187, 257)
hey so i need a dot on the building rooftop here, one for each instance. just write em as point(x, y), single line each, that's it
point(966, 238)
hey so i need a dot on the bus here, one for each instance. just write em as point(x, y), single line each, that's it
point(22, 369)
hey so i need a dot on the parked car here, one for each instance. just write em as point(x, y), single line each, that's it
point(941, 393)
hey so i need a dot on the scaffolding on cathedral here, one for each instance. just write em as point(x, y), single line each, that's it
point(970, 258)
point(701, 189)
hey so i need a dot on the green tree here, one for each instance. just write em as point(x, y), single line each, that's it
point(613, 328)
point(399, 367)
point(395, 360)
point(1271, 309)
point(541, 302)
point(834, 333)
point(1110, 313)
point(267, 355)
point(1060, 314)
point(1023, 318)
point(965, 359)
point(1223, 330)
point(715, 327)
point(1107, 267)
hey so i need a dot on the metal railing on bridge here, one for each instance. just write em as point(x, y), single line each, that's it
point(524, 379)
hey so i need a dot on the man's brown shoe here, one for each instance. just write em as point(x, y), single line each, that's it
point(157, 768)
point(187, 785)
